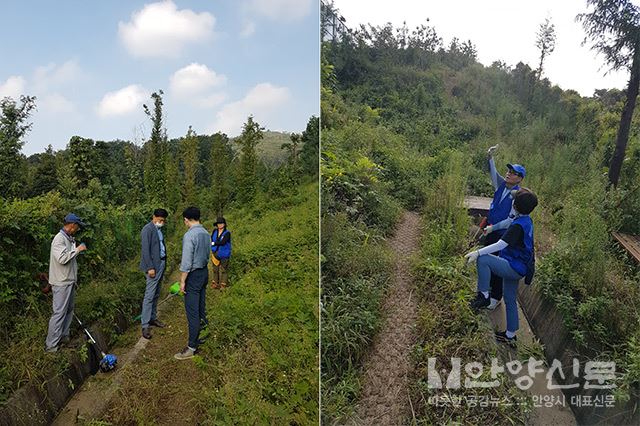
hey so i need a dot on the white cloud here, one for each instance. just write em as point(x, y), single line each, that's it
point(193, 84)
point(211, 101)
point(281, 9)
point(262, 101)
point(52, 76)
point(13, 87)
point(57, 104)
point(193, 80)
point(160, 29)
point(123, 101)
point(248, 29)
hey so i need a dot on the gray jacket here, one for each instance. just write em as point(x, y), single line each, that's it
point(150, 258)
point(63, 267)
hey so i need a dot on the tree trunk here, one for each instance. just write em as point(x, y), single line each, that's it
point(625, 121)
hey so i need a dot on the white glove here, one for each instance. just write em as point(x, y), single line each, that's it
point(491, 150)
point(514, 192)
point(487, 230)
point(471, 256)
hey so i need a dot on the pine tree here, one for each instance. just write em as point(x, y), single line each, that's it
point(614, 28)
point(189, 154)
point(134, 172)
point(293, 154)
point(311, 146)
point(251, 135)
point(171, 188)
point(155, 149)
point(220, 167)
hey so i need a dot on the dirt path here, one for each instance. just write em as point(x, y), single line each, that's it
point(540, 416)
point(385, 399)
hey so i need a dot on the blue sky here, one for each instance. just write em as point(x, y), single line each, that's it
point(91, 65)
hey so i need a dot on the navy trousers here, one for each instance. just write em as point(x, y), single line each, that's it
point(194, 302)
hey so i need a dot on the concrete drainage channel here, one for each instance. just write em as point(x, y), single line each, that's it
point(39, 405)
point(547, 324)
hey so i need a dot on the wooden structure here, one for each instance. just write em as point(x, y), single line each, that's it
point(477, 206)
point(631, 243)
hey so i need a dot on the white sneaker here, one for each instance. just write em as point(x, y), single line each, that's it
point(493, 303)
point(185, 354)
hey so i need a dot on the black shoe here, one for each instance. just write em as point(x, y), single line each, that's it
point(146, 333)
point(501, 336)
point(480, 302)
point(157, 323)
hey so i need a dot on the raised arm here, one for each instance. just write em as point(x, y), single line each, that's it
point(496, 179)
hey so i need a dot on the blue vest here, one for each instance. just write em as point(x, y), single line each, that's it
point(224, 251)
point(520, 258)
point(500, 210)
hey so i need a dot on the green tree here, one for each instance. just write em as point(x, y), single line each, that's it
point(293, 149)
point(251, 135)
point(293, 168)
point(614, 29)
point(45, 176)
point(545, 42)
point(311, 146)
point(189, 154)
point(221, 160)
point(13, 127)
point(155, 150)
point(134, 173)
point(81, 159)
point(171, 188)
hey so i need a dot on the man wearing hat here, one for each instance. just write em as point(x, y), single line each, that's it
point(220, 253)
point(63, 277)
point(152, 262)
point(501, 214)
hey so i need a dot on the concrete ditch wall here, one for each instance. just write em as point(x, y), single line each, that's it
point(35, 404)
point(546, 322)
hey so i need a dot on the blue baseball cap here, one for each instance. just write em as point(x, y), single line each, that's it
point(519, 169)
point(73, 218)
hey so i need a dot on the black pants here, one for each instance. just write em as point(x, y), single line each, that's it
point(496, 281)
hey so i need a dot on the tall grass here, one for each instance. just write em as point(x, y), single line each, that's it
point(446, 325)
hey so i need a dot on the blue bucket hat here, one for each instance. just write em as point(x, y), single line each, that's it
point(519, 169)
point(74, 218)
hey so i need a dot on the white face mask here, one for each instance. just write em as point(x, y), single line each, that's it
point(158, 225)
